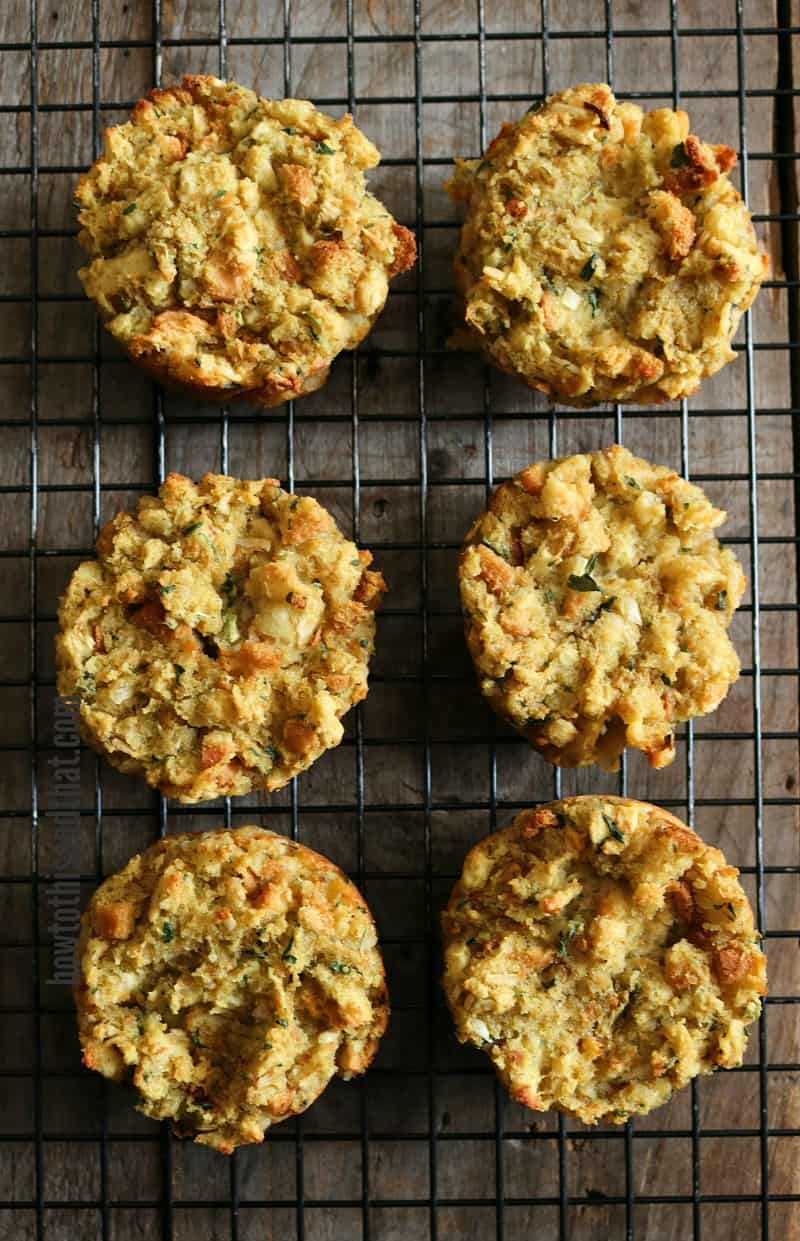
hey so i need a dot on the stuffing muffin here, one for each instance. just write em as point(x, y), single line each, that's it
point(219, 636)
point(596, 604)
point(602, 955)
point(605, 255)
point(229, 975)
point(234, 249)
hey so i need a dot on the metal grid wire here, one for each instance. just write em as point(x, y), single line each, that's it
point(425, 1198)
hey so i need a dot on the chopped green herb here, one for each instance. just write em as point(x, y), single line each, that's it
point(472, 940)
point(341, 967)
point(509, 239)
point(139, 1024)
point(220, 193)
point(363, 642)
point(130, 207)
point(551, 983)
point(603, 607)
point(584, 581)
point(614, 830)
point(179, 670)
point(281, 1021)
point(566, 938)
point(313, 328)
point(535, 107)
point(587, 271)
point(549, 596)
point(731, 911)
point(207, 540)
point(88, 683)
point(290, 596)
point(322, 148)
point(167, 590)
point(167, 932)
point(196, 1039)
point(722, 600)
point(272, 752)
point(485, 163)
point(594, 299)
point(679, 158)
point(228, 587)
point(191, 529)
point(289, 129)
point(632, 482)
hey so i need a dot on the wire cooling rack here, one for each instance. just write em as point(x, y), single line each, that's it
point(403, 445)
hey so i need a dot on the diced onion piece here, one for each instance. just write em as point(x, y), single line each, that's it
point(630, 610)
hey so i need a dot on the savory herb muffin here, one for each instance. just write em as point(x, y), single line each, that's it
point(219, 636)
point(602, 955)
point(234, 248)
point(605, 256)
point(229, 975)
point(596, 602)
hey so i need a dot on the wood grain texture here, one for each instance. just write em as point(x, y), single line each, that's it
point(118, 451)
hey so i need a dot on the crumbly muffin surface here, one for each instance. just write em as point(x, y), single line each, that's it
point(219, 637)
point(605, 255)
point(602, 956)
point(596, 605)
point(234, 248)
point(229, 975)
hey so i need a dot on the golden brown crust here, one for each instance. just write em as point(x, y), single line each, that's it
point(602, 955)
point(274, 390)
point(596, 605)
point(605, 255)
point(219, 637)
point(235, 250)
point(248, 976)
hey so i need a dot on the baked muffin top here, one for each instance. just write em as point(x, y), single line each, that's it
point(605, 255)
point(229, 975)
point(596, 605)
point(218, 638)
point(602, 955)
point(234, 247)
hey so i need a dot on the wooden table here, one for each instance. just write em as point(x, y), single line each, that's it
point(401, 446)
